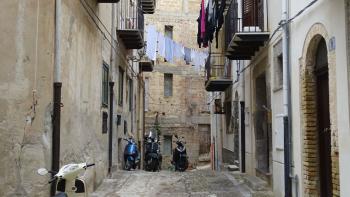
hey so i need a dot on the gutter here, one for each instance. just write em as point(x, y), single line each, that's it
point(57, 86)
point(286, 101)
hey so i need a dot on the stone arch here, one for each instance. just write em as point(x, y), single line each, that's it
point(310, 153)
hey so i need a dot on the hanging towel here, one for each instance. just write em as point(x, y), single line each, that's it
point(187, 55)
point(178, 51)
point(151, 42)
point(169, 49)
point(161, 44)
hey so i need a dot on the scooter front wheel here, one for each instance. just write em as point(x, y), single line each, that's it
point(128, 165)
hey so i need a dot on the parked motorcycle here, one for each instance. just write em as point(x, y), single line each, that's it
point(153, 158)
point(68, 184)
point(180, 159)
point(131, 155)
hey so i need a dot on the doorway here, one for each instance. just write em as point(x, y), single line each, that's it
point(323, 120)
point(262, 128)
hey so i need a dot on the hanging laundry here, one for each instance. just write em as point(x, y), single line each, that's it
point(203, 20)
point(220, 20)
point(178, 51)
point(169, 49)
point(161, 44)
point(187, 55)
point(151, 49)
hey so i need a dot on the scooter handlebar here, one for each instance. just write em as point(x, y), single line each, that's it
point(53, 179)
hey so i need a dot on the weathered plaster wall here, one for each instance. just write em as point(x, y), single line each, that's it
point(26, 80)
point(26, 94)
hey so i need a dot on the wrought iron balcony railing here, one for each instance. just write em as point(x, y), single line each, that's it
point(218, 73)
point(247, 33)
point(130, 24)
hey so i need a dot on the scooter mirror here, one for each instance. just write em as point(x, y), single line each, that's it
point(42, 171)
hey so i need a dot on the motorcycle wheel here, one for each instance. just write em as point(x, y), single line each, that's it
point(128, 165)
point(151, 164)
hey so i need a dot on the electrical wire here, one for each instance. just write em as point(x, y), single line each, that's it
point(88, 7)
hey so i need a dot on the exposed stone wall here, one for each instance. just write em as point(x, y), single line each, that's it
point(309, 114)
point(182, 112)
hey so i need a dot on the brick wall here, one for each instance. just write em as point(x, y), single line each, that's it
point(309, 114)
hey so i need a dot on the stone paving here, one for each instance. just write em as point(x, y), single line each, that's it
point(197, 183)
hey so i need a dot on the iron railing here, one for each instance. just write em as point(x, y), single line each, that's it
point(251, 20)
point(217, 68)
point(130, 15)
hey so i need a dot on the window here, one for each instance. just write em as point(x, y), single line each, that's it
point(105, 71)
point(168, 31)
point(168, 84)
point(130, 94)
point(125, 127)
point(121, 85)
point(167, 148)
point(104, 122)
point(278, 66)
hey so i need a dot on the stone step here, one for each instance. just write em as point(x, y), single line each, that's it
point(233, 168)
point(255, 183)
point(262, 194)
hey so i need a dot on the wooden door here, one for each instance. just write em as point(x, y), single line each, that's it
point(325, 167)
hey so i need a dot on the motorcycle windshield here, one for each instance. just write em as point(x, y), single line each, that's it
point(131, 149)
point(153, 134)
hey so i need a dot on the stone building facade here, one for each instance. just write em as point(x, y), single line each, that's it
point(319, 99)
point(92, 56)
point(185, 112)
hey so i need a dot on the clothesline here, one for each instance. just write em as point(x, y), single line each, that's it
point(158, 44)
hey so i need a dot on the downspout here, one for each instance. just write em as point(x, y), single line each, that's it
point(242, 119)
point(286, 100)
point(111, 94)
point(143, 122)
point(110, 135)
point(57, 85)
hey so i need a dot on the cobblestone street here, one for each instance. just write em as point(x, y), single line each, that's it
point(196, 183)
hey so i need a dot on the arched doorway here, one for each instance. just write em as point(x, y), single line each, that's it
point(323, 119)
point(320, 159)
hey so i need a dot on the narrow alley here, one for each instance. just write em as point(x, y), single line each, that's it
point(175, 98)
point(196, 183)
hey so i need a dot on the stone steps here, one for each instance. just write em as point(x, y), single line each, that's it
point(252, 186)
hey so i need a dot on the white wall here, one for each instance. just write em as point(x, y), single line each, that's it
point(331, 15)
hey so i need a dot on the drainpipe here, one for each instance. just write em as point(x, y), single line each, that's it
point(286, 100)
point(57, 85)
point(110, 136)
point(143, 123)
point(242, 135)
point(111, 94)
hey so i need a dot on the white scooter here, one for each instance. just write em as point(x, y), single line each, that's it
point(68, 183)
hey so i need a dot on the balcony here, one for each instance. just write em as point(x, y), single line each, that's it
point(146, 65)
point(107, 1)
point(148, 6)
point(218, 74)
point(245, 35)
point(130, 27)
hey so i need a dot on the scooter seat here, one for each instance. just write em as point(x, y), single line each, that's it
point(61, 194)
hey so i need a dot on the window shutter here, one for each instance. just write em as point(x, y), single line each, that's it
point(250, 13)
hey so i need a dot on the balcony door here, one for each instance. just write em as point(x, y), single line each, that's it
point(253, 14)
